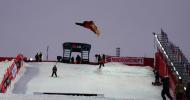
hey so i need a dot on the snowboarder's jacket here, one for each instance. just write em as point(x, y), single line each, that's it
point(179, 88)
point(165, 82)
point(187, 92)
point(54, 68)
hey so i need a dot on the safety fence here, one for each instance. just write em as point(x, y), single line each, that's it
point(6, 58)
point(170, 61)
point(132, 61)
point(11, 72)
point(164, 70)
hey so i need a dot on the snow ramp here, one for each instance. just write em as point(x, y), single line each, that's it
point(114, 81)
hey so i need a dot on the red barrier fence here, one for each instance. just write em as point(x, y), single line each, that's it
point(163, 69)
point(11, 73)
point(133, 61)
point(6, 58)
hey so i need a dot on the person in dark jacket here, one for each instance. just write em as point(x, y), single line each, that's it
point(100, 61)
point(179, 90)
point(37, 57)
point(78, 59)
point(103, 59)
point(166, 90)
point(40, 56)
point(157, 76)
point(72, 60)
point(54, 71)
point(187, 92)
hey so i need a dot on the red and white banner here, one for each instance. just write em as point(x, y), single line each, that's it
point(11, 72)
point(128, 60)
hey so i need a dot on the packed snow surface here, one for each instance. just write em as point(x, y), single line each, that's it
point(113, 82)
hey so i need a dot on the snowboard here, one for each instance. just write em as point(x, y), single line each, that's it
point(156, 84)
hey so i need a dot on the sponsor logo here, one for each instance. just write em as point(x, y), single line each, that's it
point(128, 60)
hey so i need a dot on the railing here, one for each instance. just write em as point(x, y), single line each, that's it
point(173, 55)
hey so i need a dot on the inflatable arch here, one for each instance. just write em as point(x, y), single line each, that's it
point(70, 47)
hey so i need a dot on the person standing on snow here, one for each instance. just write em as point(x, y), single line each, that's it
point(72, 60)
point(37, 57)
point(100, 61)
point(187, 92)
point(179, 90)
point(40, 56)
point(157, 77)
point(54, 71)
point(103, 59)
point(166, 90)
point(78, 59)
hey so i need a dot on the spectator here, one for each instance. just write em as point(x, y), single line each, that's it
point(72, 60)
point(187, 92)
point(78, 59)
point(40, 56)
point(103, 59)
point(179, 90)
point(166, 90)
point(37, 57)
point(157, 76)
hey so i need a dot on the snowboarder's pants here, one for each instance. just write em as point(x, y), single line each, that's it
point(179, 96)
point(100, 65)
point(167, 92)
point(157, 80)
point(53, 74)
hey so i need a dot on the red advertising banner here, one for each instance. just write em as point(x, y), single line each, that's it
point(128, 60)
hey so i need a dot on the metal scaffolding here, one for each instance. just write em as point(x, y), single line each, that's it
point(174, 56)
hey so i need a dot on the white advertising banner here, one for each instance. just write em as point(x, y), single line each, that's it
point(128, 60)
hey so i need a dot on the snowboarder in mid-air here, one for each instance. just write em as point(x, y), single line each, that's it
point(54, 71)
point(90, 25)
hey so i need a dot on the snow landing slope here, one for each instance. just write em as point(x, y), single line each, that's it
point(114, 81)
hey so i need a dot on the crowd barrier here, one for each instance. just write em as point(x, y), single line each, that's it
point(163, 68)
point(6, 58)
point(11, 72)
point(132, 61)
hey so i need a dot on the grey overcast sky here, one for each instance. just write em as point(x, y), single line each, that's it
point(29, 26)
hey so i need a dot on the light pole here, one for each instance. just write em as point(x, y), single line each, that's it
point(47, 51)
point(118, 52)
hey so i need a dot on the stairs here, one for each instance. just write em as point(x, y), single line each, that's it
point(174, 56)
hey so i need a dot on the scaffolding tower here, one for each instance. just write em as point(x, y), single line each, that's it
point(174, 56)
